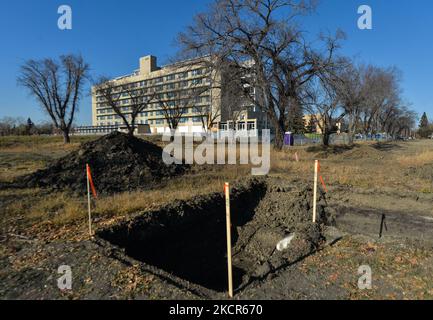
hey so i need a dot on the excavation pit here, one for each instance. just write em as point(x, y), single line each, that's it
point(187, 239)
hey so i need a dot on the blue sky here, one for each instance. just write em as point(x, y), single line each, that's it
point(112, 35)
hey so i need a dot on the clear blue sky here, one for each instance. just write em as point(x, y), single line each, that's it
point(113, 34)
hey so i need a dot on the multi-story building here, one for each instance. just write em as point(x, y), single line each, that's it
point(314, 123)
point(170, 86)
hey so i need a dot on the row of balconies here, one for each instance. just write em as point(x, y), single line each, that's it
point(203, 100)
point(164, 84)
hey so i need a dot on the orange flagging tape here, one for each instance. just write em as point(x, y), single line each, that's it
point(323, 184)
point(321, 178)
point(89, 176)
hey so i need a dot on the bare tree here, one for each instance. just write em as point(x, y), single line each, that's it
point(383, 90)
point(125, 99)
point(352, 90)
point(219, 83)
point(209, 117)
point(402, 123)
point(11, 126)
point(323, 101)
point(57, 86)
point(236, 95)
point(179, 102)
point(263, 38)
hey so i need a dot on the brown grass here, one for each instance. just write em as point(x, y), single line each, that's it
point(418, 159)
point(37, 206)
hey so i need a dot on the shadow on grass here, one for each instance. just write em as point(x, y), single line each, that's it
point(386, 146)
point(328, 150)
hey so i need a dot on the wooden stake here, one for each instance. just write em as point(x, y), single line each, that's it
point(88, 200)
point(229, 239)
point(316, 171)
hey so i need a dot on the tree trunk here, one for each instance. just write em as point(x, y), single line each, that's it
point(351, 131)
point(279, 137)
point(172, 133)
point(131, 129)
point(66, 138)
point(325, 139)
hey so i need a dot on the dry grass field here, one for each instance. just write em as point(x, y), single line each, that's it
point(363, 182)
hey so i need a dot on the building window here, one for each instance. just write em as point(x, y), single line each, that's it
point(197, 81)
point(197, 72)
point(183, 75)
point(196, 109)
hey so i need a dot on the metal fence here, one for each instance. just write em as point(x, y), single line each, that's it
point(338, 139)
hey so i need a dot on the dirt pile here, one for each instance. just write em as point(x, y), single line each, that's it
point(187, 239)
point(118, 163)
point(285, 211)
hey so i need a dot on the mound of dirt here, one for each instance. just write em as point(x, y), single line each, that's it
point(118, 162)
point(285, 210)
point(349, 152)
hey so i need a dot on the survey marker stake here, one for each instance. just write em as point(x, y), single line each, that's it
point(316, 170)
point(229, 239)
point(90, 186)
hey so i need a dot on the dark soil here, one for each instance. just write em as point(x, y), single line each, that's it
point(118, 162)
point(178, 252)
point(186, 241)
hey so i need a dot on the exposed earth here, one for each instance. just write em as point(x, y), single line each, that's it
point(118, 163)
point(175, 248)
